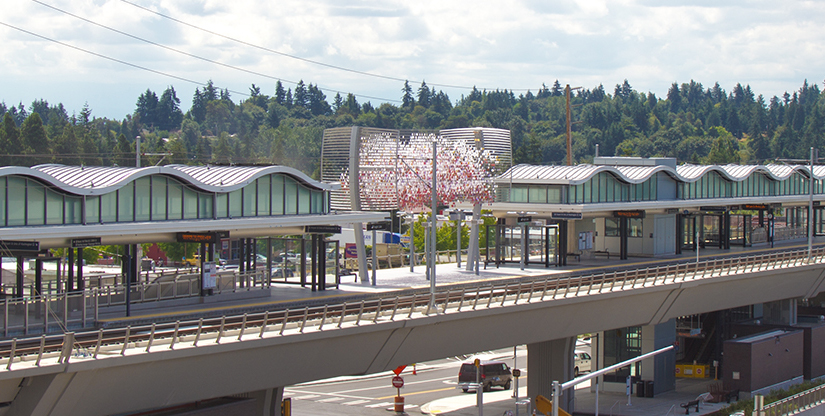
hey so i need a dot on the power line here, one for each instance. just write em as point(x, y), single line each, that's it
point(331, 90)
point(111, 59)
point(340, 68)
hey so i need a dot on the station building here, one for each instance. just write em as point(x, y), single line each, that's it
point(623, 206)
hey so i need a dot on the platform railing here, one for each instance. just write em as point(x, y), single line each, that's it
point(389, 307)
point(794, 404)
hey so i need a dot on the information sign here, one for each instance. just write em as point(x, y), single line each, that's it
point(85, 242)
point(322, 229)
point(378, 226)
point(12, 245)
point(210, 275)
point(629, 214)
point(197, 237)
point(524, 219)
point(566, 215)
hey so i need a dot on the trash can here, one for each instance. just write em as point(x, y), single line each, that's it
point(649, 388)
point(640, 388)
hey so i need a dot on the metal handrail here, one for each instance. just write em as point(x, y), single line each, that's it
point(313, 318)
point(796, 403)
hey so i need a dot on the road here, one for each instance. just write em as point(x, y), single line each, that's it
point(373, 394)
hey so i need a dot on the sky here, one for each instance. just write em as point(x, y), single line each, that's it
point(105, 53)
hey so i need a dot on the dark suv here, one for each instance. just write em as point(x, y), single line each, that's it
point(493, 373)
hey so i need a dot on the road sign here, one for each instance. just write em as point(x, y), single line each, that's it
point(476, 362)
point(399, 369)
point(397, 382)
point(516, 372)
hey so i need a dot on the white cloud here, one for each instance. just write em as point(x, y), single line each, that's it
point(772, 46)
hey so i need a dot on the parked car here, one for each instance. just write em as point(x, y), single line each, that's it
point(282, 272)
point(493, 373)
point(582, 363)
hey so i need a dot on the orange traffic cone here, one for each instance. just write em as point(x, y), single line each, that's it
point(414, 372)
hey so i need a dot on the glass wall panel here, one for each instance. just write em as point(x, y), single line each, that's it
point(36, 209)
point(2, 201)
point(278, 195)
point(143, 200)
point(317, 202)
point(264, 199)
point(554, 195)
point(108, 207)
point(235, 203)
point(190, 204)
point(222, 209)
point(537, 195)
point(54, 207)
point(175, 207)
point(205, 208)
point(159, 198)
point(73, 209)
point(16, 193)
point(249, 200)
point(303, 200)
point(92, 209)
point(518, 194)
point(290, 196)
point(126, 203)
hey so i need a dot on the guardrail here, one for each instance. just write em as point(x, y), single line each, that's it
point(482, 295)
point(794, 404)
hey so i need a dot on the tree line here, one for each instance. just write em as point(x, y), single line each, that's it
point(693, 123)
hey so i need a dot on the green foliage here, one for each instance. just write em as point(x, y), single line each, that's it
point(287, 127)
point(773, 396)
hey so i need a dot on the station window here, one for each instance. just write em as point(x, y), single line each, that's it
point(634, 227)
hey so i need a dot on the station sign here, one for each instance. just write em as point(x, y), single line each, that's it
point(713, 209)
point(566, 215)
point(524, 219)
point(636, 213)
point(13, 245)
point(197, 237)
point(379, 226)
point(86, 242)
point(322, 229)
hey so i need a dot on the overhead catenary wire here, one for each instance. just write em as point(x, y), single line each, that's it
point(191, 55)
point(314, 62)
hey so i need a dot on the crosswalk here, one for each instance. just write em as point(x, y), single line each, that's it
point(368, 403)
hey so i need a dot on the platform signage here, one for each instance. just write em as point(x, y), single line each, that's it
point(322, 229)
point(713, 209)
point(755, 207)
point(636, 213)
point(566, 215)
point(12, 245)
point(197, 237)
point(86, 242)
point(379, 226)
point(524, 219)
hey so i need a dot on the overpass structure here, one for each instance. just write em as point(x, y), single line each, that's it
point(255, 356)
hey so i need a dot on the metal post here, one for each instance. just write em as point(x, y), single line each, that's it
point(374, 256)
point(811, 209)
point(515, 365)
point(433, 233)
point(556, 397)
point(412, 242)
point(137, 151)
point(523, 244)
point(458, 238)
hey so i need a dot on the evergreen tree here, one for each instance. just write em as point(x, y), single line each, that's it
point(34, 140)
point(222, 154)
point(407, 100)
point(300, 96)
point(280, 93)
point(147, 108)
point(168, 114)
point(210, 93)
point(424, 95)
point(10, 141)
point(66, 148)
point(198, 110)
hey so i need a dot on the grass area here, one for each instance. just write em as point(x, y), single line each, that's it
point(773, 396)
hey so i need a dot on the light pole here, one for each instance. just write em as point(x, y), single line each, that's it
point(411, 216)
point(137, 151)
point(433, 230)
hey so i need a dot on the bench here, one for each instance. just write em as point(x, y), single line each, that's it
point(602, 253)
point(576, 255)
point(690, 404)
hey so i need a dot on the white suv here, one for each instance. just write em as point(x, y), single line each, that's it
point(581, 361)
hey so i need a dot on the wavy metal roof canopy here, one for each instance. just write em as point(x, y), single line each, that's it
point(97, 180)
point(578, 174)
